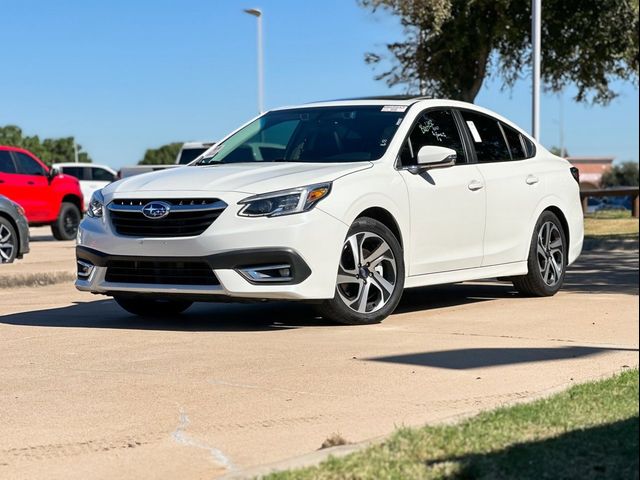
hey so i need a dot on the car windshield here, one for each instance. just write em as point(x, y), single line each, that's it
point(320, 134)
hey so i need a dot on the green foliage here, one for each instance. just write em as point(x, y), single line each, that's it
point(622, 175)
point(451, 46)
point(164, 155)
point(49, 150)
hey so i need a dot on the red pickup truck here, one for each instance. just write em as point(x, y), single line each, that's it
point(47, 197)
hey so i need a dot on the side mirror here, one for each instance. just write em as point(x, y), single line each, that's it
point(431, 156)
point(53, 173)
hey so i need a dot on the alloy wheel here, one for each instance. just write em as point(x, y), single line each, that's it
point(550, 253)
point(7, 244)
point(70, 223)
point(367, 273)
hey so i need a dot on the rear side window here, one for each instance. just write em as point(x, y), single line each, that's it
point(529, 147)
point(487, 137)
point(102, 175)
point(516, 145)
point(6, 162)
point(27, 165)
point(78, 172)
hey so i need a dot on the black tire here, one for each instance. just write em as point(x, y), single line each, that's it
point(151, 307)
point(337, 309)
point(66, 225)
point(533, 284)
point(8, 241)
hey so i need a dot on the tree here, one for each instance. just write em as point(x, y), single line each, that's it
point(163, 155)
point(49, 150)
point(451, 46)
point(622, 175)
point(559, 152)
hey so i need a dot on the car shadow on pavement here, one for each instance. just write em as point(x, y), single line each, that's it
point(468, 358)
point(270, 316)
point(442, 296)
point(258, 316)
point(604, 272)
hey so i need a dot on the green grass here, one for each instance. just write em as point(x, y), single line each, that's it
point(589, 431)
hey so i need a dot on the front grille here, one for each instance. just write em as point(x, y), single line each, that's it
point(186, 218)
point(160, 272)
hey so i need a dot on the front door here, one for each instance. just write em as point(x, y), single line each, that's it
point(447, 204)
point(33, 188)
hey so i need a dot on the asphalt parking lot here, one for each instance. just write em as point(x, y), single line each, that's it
point(87, 390)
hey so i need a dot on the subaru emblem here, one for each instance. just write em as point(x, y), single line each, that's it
point(156, 210)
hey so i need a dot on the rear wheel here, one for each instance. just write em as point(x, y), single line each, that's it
point(8, 241)
point(370, 276)
point(66, 225)
point(151, 307)
point(547, 261)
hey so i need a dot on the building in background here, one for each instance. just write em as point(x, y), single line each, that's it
point(591, 170)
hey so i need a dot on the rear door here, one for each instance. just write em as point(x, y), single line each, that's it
point(513, 189)
point(447, 204)
point(33, 189)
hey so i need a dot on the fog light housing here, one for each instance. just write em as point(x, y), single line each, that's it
point(85, 269)
point(267, 273)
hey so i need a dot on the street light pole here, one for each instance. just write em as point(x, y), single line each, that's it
point(258, 14)
point(536, 30)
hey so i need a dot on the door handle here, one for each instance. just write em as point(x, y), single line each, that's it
point(475, 185)
point(532, 180)
point(31, 183)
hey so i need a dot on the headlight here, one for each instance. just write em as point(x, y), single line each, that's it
point(96, 205)
point(284, 202)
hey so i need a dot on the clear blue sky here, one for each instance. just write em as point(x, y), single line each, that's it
point(125, 75)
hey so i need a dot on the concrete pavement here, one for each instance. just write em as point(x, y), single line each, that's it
point(87, 391)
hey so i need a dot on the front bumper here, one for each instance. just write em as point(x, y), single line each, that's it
point(310, 243)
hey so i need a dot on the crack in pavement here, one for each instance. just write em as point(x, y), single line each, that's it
point(180, 436)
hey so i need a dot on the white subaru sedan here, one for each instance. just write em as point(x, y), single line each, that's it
point(342, 204)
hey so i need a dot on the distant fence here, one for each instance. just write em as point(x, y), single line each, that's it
point(612, 192)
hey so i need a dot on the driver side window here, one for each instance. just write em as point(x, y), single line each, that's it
point(434, 127)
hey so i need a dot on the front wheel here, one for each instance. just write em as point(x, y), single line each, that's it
point(66, 225)
point(547, 262)
point(151, 307)
point(8, 241)
point(370, 275)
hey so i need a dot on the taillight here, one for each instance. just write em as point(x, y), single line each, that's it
point(575, 173)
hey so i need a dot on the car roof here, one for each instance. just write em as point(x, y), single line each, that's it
point(409, 101)
point(81, 164)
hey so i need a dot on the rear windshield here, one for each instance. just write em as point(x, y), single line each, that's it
point(320, 134)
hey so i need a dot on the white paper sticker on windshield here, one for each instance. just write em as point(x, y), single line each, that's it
point(394, 108)
point(474, 131)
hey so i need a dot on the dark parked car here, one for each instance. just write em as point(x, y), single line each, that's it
point(14, 231)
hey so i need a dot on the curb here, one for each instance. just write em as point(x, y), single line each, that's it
point(610, 243)
point(39, 279)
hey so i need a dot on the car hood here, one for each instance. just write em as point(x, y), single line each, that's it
point(252, 178)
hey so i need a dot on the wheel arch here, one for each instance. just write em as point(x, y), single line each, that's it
point(73, 199)
point(563, 220)
point(385, 217)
